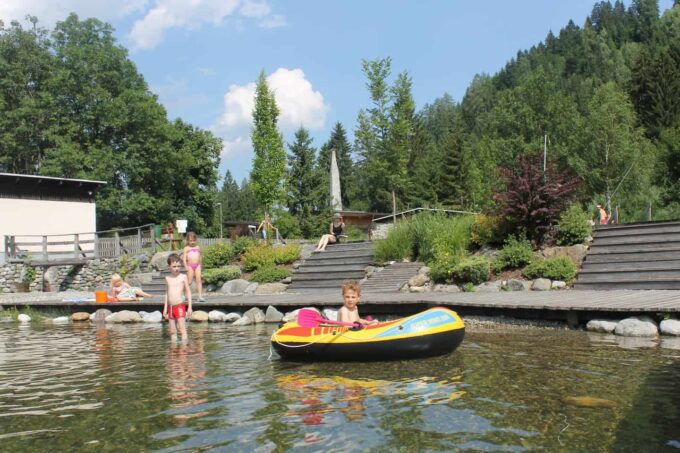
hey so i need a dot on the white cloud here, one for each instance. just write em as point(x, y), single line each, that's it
point(299, 105)
point(48, 13)
point(149, 31)
point(274, 21)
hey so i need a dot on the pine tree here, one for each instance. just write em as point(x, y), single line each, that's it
point(269, 162)
point(303, 182)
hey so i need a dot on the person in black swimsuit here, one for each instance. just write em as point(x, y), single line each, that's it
point(337, 228)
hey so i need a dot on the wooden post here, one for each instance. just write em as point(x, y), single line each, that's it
point(44, 248)
point(116, 244)
point(13, 246)
point(6, 250)
point(649, 212)
point(76, 245)
point(616, 214)
point(139, 239)
point(152, 236)
point(394, 208)
point(96, 245)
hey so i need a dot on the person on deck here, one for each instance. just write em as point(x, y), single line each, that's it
point(337, 229)
point(604, 217)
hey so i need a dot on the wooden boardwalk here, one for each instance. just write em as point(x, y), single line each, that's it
point(566, 304)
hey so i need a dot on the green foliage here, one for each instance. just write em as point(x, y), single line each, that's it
point(288, 225)
point(573, 226)
point(517, 252)
point(557, 268)
point(426, 236)
point(219, 276)
point(126, 265)
point(469, 287)
point(443, 266)
point(241, 244)
point(487, 230)
point(217, 255)
point(269, 162)
point(266, 255)
point(286, 254)
point(238, 202)
point(354, 233)
point(28, 274)
point(269, 274)
point(473, 270)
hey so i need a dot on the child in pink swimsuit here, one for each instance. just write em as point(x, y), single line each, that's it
point(192, 263)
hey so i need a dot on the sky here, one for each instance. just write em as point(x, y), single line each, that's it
point(202, 57)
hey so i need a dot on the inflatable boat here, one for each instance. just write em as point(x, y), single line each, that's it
point(432, 332)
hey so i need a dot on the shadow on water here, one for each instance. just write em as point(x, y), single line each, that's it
point(657, 398)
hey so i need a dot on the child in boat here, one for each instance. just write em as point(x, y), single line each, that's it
point(174, 309)
point(192, 263)
point(351, 293)
point(123, 292)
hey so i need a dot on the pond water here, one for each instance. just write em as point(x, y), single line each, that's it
point(127, 388)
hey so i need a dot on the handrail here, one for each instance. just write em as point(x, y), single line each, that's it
point(147, 225)
point(423, 209)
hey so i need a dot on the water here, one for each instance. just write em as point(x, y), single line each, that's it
point(127, 388)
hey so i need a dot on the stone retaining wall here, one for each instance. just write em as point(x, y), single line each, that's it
point(88, 277)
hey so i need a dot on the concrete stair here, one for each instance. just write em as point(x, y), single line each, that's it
point(634, 256)
point(325, 271)
point(392, 278)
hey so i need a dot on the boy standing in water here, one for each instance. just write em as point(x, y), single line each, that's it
point(174, 309)
point(351, 293)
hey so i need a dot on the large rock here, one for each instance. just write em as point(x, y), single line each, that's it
point(199, 316)
point(489, 287)
point(154, 317)
point(575, 252)
point(670, 327)
point(23, 317)
point(273, 315)
point(60, 320)
point(514, 284)
point(271, 288)
point(100, 315)
point(558, 284)
point(140, 279)
point(601, 325)
point(217, 316)
point(541, 284)
point(418, 280)
point(418, 289)
point(636, 327)
point(255, 314)
point(424, 270)
point(80, 316)
point(231, 317)
point(290, 316)
point(243, 321)
point(124, 316)
point(251, 288)
point(235, 287)
point(446, 288)
point(159, 261)
point(51, 279)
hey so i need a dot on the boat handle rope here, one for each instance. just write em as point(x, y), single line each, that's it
point(294, 346)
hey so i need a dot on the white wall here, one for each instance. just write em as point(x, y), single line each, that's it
point(21, 217)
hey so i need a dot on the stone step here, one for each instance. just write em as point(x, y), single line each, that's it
point(638, 284)
point(316, 276)
point(596, 248)
point(637, 231)
point(331, 267)
point(639, 257)
point(637, 226)
point(635, 239)
point(612, 266)
point(335, 254)
point(328, 283)
point(637, 275)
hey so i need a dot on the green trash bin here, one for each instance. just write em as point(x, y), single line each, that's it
point(158, 231)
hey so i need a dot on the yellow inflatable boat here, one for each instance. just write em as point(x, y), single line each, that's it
point(432, 332)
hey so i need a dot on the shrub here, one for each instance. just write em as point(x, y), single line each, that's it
point(258, 256)
point(270, 274)
point(533, 198)
point(573, 226)
point(286, 254)
point(354, 233)
point(425, 236)
point(487, 230)
point(217, 255)
point(472, 270)
point(443, 265)
point(241, 244)
point(219, 276)
point(516, 252)
point(469, 288)
point(557, 268)
point(288, 225)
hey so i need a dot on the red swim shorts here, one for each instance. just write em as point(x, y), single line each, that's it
point(177, 311)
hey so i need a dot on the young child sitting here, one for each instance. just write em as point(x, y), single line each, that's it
point(124, 292)
point(351, 293)
point(174, 309)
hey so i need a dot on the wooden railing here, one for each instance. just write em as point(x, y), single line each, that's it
point(78, 247)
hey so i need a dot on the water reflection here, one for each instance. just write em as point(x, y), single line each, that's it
point(186, 369)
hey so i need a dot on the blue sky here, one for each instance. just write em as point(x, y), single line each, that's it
point(201, 57)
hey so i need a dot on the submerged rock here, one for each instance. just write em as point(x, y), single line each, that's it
point(80, 316)
point(243, 321)
point(23, 318)
point(60, 320)
point(124, 316)
point(273, 315)
point(217, 316)
point(154, 317)
point(255, 314)
point(100, 315)
point(232, 317)
point(198, 316)
point(588, 401)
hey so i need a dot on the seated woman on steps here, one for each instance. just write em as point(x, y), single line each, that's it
point(337, 230)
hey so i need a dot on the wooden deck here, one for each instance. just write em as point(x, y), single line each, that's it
point(566, 305)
